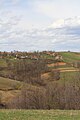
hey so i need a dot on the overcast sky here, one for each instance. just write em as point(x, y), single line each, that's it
point(29, 25)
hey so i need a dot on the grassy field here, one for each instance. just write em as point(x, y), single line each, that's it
point(3, 63)
point(39, 115)
point(69, 76)
point(70, 56)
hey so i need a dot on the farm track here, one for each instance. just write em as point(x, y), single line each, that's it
point(69, 70)
point(66, 70)
point(62, 70)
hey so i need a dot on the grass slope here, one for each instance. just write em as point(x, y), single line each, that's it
point(39, 115)
point(8, 89)
point(3, 63)
point(70, 56)
point(8, 84)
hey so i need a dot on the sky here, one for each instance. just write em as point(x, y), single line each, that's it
point(31, 25)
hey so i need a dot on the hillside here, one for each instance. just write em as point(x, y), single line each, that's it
point(41, 80)
point(70, 57)
point(9, 84)
point(8, 89)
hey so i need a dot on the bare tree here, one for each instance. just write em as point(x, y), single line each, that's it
point(30, 98)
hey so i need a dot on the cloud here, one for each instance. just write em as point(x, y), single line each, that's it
point(45, 8)
point(25, 25)
point(61, 35)
point(57, 8)
point(71, 22)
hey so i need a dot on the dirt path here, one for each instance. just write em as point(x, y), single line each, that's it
point(67, 70)
point(46, 76)
point(55, 64)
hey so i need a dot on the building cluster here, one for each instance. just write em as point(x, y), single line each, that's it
point(31, 55)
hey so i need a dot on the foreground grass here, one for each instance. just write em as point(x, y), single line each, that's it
point(39, 115)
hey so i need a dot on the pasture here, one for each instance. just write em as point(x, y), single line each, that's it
point(39, 115)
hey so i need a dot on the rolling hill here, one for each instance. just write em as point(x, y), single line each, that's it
point(70, 57)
